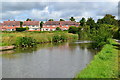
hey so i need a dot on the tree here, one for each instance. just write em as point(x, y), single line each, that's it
point(62, 20)
point(21, 23)
point(101, 35)
point(82, 22)
point(41, 25)
point(51, 20)
point(91, 23)
point(108, 19)
point(28, 19)
point(58, 29)
point(73, 29)
point(72, 19)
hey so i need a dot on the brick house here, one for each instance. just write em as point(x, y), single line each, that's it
point(10, 25)
point(64, 25)
point(33, 25)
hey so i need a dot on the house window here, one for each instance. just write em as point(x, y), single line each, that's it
point(8, 25)
point(13, 25)
point(48, 25)
point(66, 25)
point(12, 29)
point(33, 26)
point(53, 26)
point(8, 29)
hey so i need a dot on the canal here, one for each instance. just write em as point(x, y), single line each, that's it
point(49, 60)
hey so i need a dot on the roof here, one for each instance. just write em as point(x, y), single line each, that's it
point(68, 23)
point(27, 23)
point(1, 24)
point(52, 23)
point(11, 23)
point(61, 22)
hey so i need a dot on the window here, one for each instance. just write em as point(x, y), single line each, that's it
point(12, 29)
point(8, 25)
point(33, 26)
point(66, 25)
point(8, 29)
point(53, 26)
point(13, 25)
point(48, 25)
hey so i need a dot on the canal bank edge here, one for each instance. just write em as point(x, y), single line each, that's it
point(104, 64)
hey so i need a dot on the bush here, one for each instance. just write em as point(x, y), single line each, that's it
point(20, 29)
point(73, 30)
point(59, 38)
point(25, 41)
point(100, 36)
point(58, 29)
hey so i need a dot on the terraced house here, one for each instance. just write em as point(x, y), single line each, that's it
point(52, 25)
point(33, 25)
point(9, 25)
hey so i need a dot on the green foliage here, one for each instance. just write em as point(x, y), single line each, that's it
point(21, 23)
point(91, 23)
point(100, 36)
point(59, 38)
point(117, 34)
point(108, 19)
point(104, 64)
point(51, 20)
point(58, 29)
point(72, 19)
point(41, 24)
point(73, 29)
point(20, 29)
point(82, 22)
point(84, 32)
point(28, 19)
point(62, 20)
point(25, 41)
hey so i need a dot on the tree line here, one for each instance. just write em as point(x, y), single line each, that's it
point(100, 31)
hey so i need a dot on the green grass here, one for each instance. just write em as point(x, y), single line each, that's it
point(9, 38)
point(104, 64)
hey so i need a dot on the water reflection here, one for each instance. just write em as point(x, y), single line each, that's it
point(49, 60)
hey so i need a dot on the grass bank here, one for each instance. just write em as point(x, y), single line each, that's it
point(104, 64)
point(9, 38)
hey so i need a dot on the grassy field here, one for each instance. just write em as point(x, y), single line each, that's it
point(104, 64)
point(9, 38)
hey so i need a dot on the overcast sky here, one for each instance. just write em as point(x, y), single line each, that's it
point(56, 10)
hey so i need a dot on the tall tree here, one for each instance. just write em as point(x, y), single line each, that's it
point(91, 23)
point(108, 19)
point(82, 22)
point(72, 19)
point(62, 20)
point(41, 24)
point(51, 20)
point(21, 23)
point(28, 19)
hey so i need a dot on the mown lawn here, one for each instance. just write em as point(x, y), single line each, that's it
point(104, 64)
point(10, 38)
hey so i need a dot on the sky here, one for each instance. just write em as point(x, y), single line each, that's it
point(45, 10)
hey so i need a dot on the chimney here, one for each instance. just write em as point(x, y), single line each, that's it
point(8, 20)
point(14, 19)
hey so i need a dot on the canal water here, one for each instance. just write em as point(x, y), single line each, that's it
point(49, 60)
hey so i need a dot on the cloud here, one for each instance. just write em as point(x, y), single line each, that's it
point(57, 10)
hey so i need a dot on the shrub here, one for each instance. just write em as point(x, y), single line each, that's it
point(56, 38)
point(100, 36)
point(59, 38)
point(58, 29)
point(20, 29)
point(73, 30)
point(25, 41)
